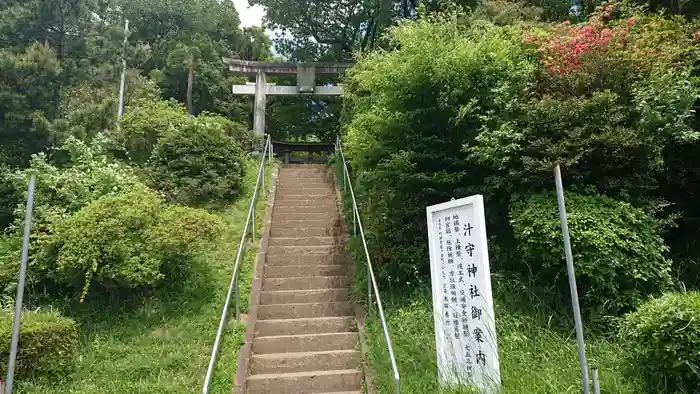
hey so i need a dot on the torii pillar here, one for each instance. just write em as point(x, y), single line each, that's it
point(306, 82)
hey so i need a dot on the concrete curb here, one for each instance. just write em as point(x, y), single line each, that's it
point(360, 313)
point(241, 379)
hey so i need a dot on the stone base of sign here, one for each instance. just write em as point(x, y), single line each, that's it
point(246, 349)
point(360, 312)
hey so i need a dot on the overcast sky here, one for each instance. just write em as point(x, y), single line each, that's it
point(250, 16)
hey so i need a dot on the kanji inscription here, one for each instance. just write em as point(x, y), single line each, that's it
point(465, 328)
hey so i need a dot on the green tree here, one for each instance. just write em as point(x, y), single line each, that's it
point(255, 44)
point(27, 84)
point(410, 111)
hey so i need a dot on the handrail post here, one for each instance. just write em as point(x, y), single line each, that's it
point(369, 292)
point(263, 159)
point(354, 225)
point(237, 297)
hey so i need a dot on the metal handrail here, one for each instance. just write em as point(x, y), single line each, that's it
point(357, 222)
point(233, 286)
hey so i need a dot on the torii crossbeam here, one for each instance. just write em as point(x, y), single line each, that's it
point(306, 82)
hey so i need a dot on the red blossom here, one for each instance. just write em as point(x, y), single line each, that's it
point(563, 51)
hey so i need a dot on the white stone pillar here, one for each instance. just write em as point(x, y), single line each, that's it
point(260, 103)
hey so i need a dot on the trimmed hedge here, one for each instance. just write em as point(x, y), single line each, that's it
point(663, 337)
point(46, 346)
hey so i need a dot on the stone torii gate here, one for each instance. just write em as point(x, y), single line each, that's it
point(306, 82)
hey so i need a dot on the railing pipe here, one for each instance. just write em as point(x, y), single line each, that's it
point(233, 285)
point(380, 308)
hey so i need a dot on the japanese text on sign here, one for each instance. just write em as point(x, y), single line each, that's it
point(465, 328)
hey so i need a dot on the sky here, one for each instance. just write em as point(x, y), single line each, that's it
point(250, 16)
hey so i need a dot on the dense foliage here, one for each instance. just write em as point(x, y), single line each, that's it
point(101, 222)
point(608, 100)
point(47, 344)
point(620, 258)
point(489, 102)
point(141, 128)
point(412, 111)
point(196, 162)
point(663, 337)
point(448, 98)
point(127, 241)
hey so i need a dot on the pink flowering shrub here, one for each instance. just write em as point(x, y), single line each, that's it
point(616, 46)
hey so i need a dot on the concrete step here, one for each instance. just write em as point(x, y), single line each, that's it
point(292, 240)
point(305, 189)
point(296, 179)
point(287, 271)
point(307, 203)
point(326, 195)
point(306, 210)
point(306, 382)
point(318, 325)
point(304, 171)
point(304, 296)
point(305, 216)
point(296, 223)
point(321, 250)
point(305, 167)
point(304, 283)
point(306, 361)
point(325, 231)
point(302, 184)
point(321, 179)
point(324, 187)
point(305, 343)
point(306, 259)
point(302, 311)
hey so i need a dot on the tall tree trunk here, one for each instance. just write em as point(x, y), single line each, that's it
point(190, 82)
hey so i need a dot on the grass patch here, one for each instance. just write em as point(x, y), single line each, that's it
point(536, 358)
point(161, 343)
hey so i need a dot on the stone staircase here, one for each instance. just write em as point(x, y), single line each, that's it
point(305, 337)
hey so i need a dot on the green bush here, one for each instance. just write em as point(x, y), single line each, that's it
point(245, 138)
point(411, 111)
point(76, 174)
point(197, 163)
point(9, 197)
point(127, 241)
point(618, 254)
point(46, 345)
point(10, 255)
point(142, 125)
point(68, 179)
point(663, 336)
